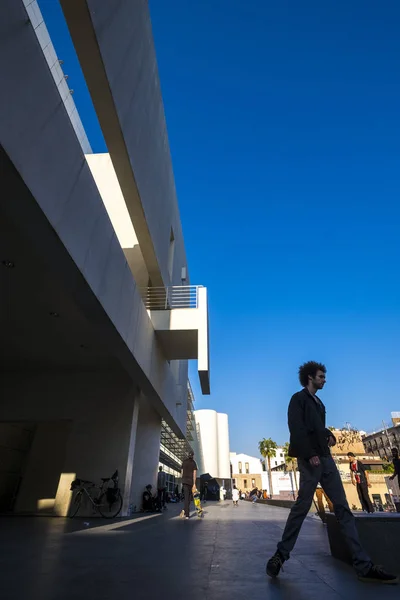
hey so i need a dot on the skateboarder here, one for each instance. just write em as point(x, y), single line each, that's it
point(310, 443)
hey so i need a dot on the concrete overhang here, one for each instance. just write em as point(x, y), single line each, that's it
point(180, 319)
point(79, 21)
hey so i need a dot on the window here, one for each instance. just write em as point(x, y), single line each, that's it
point(246, 465)
point(245, 483)
point(240, 468)
point(253, 483)
point(281, 455)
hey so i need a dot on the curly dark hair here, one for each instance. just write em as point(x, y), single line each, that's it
point(309, 368)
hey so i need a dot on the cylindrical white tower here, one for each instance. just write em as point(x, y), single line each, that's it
point(207, 441)
point(224, 464)
point(212, 444)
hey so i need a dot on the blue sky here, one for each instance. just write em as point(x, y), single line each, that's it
point(284, 126)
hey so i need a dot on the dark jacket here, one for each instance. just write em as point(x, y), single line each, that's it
point(308, 432)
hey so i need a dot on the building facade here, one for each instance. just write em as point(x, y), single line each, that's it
point(247, 472)
point(380, 492)
point(380, 442)
point(99, 317)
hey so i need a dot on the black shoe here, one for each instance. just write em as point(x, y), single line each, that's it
point(274, 565)
point(378, 575)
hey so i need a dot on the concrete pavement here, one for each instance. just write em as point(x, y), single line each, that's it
point(219, 557)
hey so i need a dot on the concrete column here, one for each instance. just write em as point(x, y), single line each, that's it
point(147, 451)
point(130, 458)
point(101, 443)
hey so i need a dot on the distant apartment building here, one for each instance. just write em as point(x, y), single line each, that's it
point(382, 490)
point(380, 441)
point(99, 316)
point(277, 461)
point(247, 472)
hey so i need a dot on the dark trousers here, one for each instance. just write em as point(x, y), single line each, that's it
point(161, 498)
point(187, 494)
point(366, 504)
point(328, 476)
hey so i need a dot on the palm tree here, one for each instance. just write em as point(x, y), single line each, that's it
point(267, 448)
point(292, 462)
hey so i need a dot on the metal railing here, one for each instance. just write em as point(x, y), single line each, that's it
point(169, 298)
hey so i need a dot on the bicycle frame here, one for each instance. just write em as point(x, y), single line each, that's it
point(93, 499)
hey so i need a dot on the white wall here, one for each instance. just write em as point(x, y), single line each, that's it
point(255, 465)
point(283, 482)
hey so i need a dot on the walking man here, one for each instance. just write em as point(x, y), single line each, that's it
point(189, 474)
point(359, 478)
point(310, 443)
point(161, 487)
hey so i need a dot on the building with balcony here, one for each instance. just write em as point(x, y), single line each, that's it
point(99, 317)
point(380, 441)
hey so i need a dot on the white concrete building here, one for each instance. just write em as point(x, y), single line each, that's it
point(211, 445)
point(249, 472)
point(278, 460)
point(98, 314)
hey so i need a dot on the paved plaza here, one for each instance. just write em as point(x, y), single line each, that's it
point(220, 557)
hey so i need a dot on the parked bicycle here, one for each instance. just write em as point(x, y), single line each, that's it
point(107, 501)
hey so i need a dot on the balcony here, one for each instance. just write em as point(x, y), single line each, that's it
point(180, 319)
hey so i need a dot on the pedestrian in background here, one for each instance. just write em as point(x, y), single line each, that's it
point(189, 474)
point(161, 488)
point(359, 478)
point(396, 464)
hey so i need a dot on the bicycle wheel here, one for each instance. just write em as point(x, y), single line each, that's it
point(75, 504)
point(109, 510)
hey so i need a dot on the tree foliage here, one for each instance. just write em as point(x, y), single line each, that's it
point(267, 447)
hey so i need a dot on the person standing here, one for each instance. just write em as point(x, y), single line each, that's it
point(189, 474)
point(310, 443)
point(235, 496)
point(205, 491)
point(396, 464)
point(161, 487)
point(359, 478)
